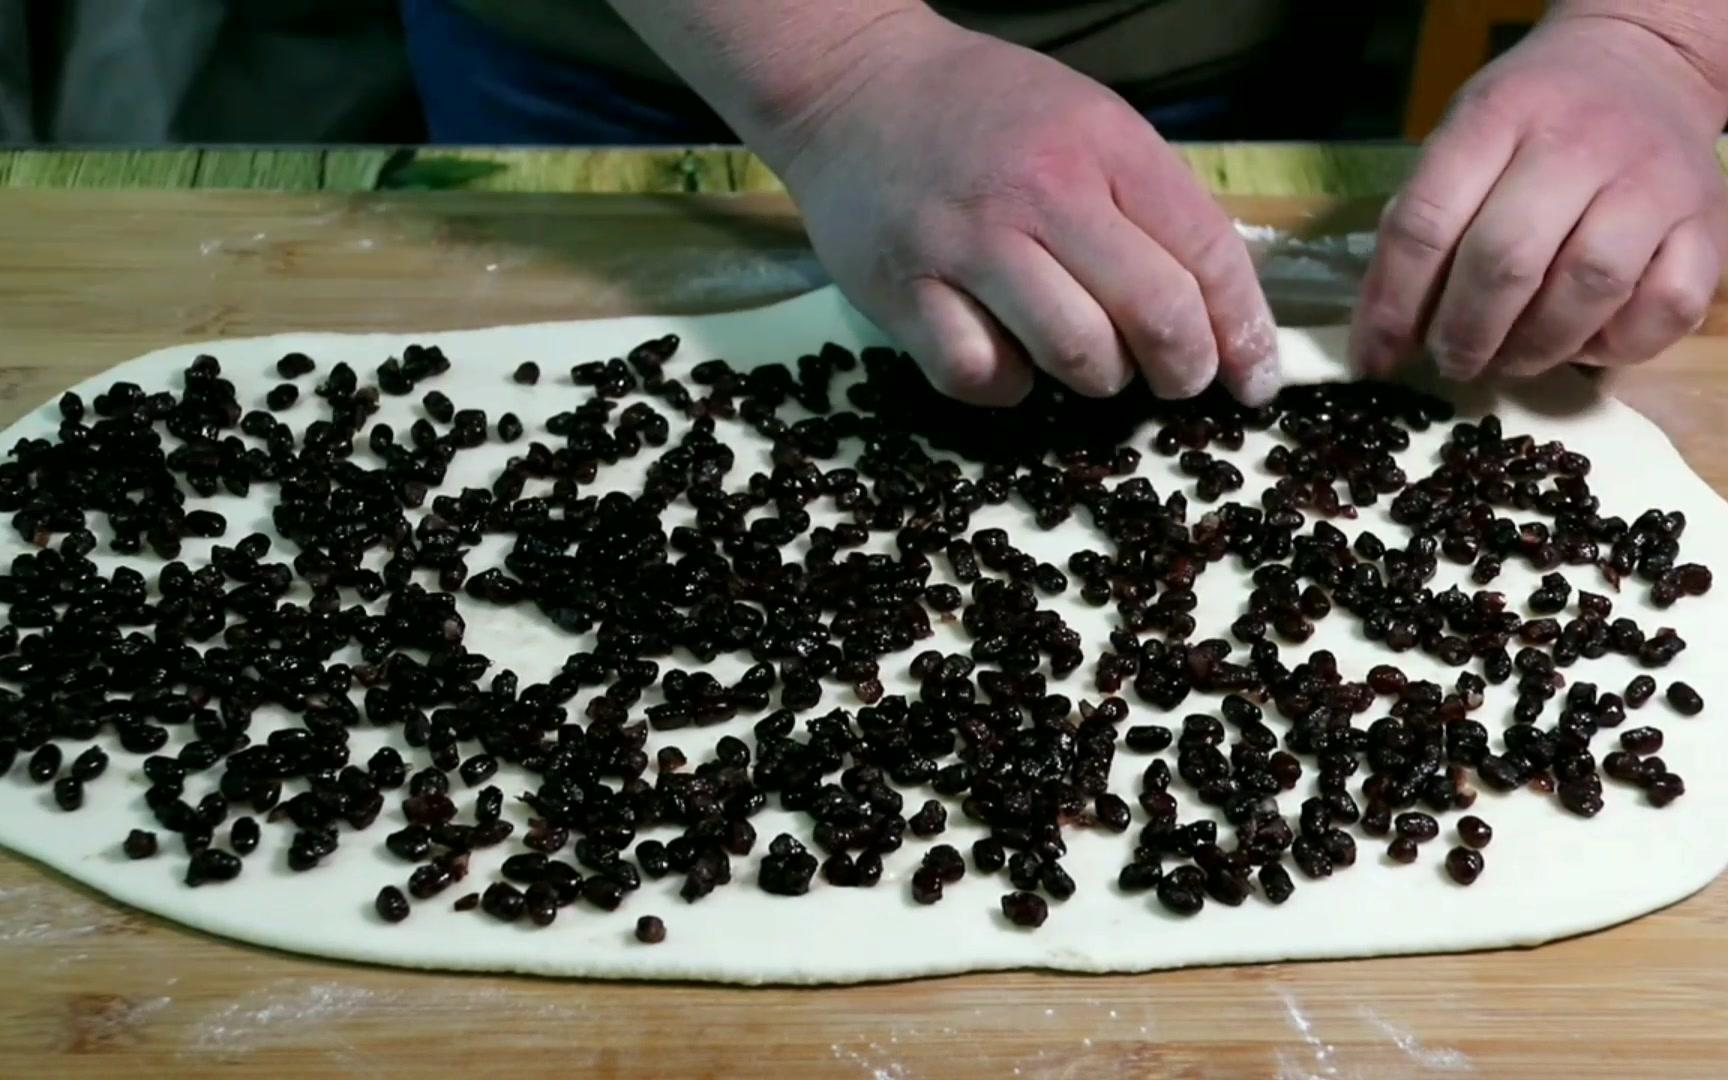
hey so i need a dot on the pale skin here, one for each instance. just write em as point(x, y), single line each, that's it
point(998, 212)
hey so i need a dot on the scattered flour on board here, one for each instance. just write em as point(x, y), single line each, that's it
point(1323, 1051)
point(277, 1012)
point(46, 914)
point(116, 1020)
point(1439, 1059)
point(868, 1061)
point(298, 1012)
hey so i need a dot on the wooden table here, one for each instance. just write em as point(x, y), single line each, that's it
point(90, 989)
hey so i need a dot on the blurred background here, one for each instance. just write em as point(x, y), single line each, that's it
point(566, 72)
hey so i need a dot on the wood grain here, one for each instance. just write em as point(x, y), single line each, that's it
point(1336, 169)
point(88, 988)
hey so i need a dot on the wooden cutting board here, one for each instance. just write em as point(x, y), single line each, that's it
point(90, 988)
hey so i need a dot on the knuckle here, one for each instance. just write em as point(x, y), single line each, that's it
point(1598, 275)
point(1417, 221)
point(1219, 256)
point(1678, 306)
point(1531, 343)
point(966, 370)
point(1464, 345)
point(1202, 237)
point(1487, 102)
point(1505, 263)
point(1504, 104)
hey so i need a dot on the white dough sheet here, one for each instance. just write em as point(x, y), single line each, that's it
point(1549, 874)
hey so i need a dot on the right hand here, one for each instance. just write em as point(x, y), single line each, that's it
point(995, 210)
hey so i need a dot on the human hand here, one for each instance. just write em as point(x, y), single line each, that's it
point(1570, 208)
point(994, 210)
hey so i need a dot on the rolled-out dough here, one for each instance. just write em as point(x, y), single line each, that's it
point(1548, 875)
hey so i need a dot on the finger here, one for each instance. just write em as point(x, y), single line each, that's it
point(1505, 254)
point(1670, 301)
point(1154, 303)
point(1593, 277)
point(1419, 231)
point(962, 350)
point(1061, 327)
point(1161, 198)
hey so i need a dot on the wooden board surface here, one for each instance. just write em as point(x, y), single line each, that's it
point(1334, 169)
point(88, 988)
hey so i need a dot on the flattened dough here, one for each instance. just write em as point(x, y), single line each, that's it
point(1548, 874)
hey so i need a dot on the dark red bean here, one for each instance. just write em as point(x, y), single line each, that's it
point(68, 793)
point(1417, 826)
point(1377, 820)
point(1056, 881)
point(1139, 876)
point(930, 820)
point(1685, 700)
point(1149, 738)
point(1111, 811)
point(45, 763)
point(243, 835)
point(282, 397)
point(946, 862)
point(502, 901)
point(212, 864)
point(650, 930)
point(1641, 689)
point(429, 880)
point(540, 903)
point(1474, 831)
point(1275, 883)
point(1182, 897)
point(1464, 865)
point(1663, 788)
point(1386, 679)
point(391, 905)
point(89, 765)
point(1642, 740)
point(1025, 909)
point(926, 885)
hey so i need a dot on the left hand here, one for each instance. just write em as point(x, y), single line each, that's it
point(1571, 208)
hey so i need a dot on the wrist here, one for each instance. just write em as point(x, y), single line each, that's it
point(792, 113)
point(773, 68)
point(1691, 39)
